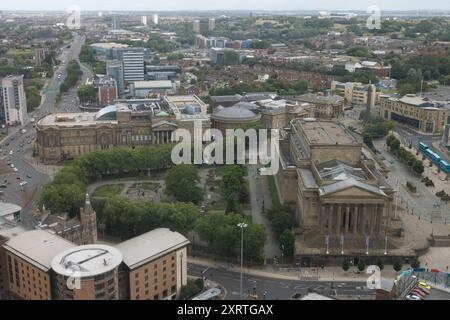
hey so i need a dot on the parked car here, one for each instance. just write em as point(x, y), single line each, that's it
point(422, 289)
point(419, 293)
point(15, 169)
point(412, 297)
point(28, 176)
point(23, 183)
point(424, 285)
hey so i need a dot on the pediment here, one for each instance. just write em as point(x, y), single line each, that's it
point(353, 192)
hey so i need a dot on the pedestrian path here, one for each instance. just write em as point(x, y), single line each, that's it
point(327, 274)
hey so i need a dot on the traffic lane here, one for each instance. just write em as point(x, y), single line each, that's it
point(436, 294)
point(273, 288)
point(412, 137)
point(26, 196)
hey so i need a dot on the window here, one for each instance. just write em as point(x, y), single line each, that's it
point(156, 297)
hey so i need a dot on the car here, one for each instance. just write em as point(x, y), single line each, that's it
point(11, 152)
point(28, 176)
point(412, 297)
point(23, 183)
point(424, 285)
point(419, 293)
point(15, 169)
point(18, 178)
point(422, 289)
point(3, 186)
point(12, 165)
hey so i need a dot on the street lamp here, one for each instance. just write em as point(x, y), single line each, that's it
point(242, 225)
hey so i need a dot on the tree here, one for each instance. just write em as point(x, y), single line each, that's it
point(189, 290)
point(181, 183)
point(233, 187)
point(287, 243)
point(63, 198)
point(415, 263)
point(418, 167)
point(33, 98)
point(361, 264)
point(397, 265)
point(223, 237)
point(379, 263)
point(87, 93)
point(345, 264)
point(283, 219)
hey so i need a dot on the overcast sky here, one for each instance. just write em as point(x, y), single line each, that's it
point(160, 5)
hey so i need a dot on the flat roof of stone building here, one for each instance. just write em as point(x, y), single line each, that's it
point(326, 132)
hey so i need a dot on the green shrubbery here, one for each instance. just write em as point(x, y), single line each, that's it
point(404, 155)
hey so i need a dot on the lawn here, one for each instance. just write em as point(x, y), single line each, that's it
point(273, 192)
point(108, 190)
point(148, 186)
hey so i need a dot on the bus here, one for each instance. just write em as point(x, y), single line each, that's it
point(210, 294)
point(444, 166)
point(422, 146)
point(433, 156)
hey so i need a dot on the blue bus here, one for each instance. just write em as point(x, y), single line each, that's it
point(422, 146)
point(444, 166)
point(433, 156)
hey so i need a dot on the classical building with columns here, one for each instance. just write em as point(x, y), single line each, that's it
point(339, 192)
point(64, 136)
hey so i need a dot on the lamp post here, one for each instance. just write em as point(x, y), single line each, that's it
point(242, 225)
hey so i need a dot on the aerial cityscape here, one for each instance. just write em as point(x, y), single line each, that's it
point(239, 151)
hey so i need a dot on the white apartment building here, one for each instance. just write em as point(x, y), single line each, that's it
point(14, 100)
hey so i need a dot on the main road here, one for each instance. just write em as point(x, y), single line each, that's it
point(275, 289)
point(17, 147)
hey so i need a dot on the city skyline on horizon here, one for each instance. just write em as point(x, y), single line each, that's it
point(231, 5)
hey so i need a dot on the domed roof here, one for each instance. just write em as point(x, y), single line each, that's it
point(188, 110)
point(235, 112)
point(162, 114)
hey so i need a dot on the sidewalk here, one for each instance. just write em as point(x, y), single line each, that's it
point(327, 274)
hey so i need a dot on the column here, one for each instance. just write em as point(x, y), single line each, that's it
point(380, 218)
point(363, 216)
point(372, 218)
point(321, 218)
point(355, 219)
point(347, 220)
point(330, 218)
point(339, 220)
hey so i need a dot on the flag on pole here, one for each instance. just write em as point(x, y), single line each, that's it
point(327, 239)
point(342, 239)
point(367, 240)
